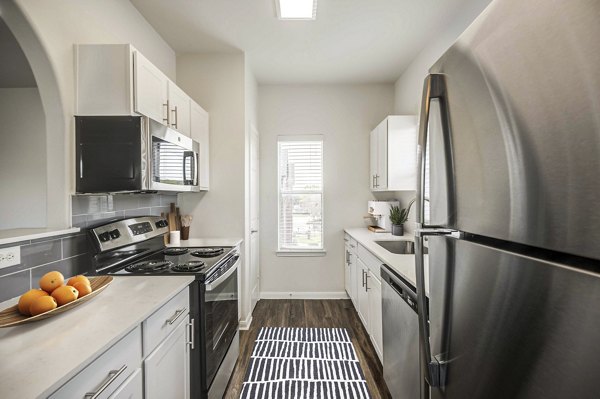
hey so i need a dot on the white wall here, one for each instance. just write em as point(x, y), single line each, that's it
point(344, 115)
point(216, 82)
point(22, 159)
point(47, 31)
point(409, 86)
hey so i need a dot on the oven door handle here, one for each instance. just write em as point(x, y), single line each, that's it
point(214, 284)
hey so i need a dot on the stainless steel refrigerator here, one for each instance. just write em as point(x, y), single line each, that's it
point(509, 206)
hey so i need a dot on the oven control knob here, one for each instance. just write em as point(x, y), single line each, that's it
point(103, 237)
point(115, 234)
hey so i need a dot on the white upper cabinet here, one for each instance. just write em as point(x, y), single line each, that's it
point(199, 129)
point(393, 152)
point(116, 79)
point(150, 89)
point(179, 110)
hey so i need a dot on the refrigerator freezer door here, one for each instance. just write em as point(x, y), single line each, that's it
point(522, 89)
point(509, 326)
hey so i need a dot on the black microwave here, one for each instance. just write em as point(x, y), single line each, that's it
point(133, 154)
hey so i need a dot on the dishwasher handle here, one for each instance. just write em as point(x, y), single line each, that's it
point(403, 288)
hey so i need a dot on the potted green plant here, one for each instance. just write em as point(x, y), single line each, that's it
point(398, 217)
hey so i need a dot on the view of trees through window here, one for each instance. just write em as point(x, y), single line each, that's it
point(300, 194)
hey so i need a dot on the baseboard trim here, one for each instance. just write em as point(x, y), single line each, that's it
point(245, 324)
point(304, 295)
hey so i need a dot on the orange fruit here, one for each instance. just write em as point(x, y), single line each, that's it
point(65, 294)
point(83, 288)
point(78, 278)
point(51, 281)
point(42, 304)
point(27, 298)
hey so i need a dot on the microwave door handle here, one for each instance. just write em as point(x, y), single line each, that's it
point(188, 155)
point(195, 168)
point(185, 157)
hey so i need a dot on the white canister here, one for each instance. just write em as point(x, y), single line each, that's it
point(174, 237)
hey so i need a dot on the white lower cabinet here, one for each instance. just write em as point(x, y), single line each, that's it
point(167, 368)
point(363, 278)
point(160, 368)
point(132, 388)
point(362, 295)
point(103, 376)
point(375, 313)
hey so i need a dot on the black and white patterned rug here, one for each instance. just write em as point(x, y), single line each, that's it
point(304, 363)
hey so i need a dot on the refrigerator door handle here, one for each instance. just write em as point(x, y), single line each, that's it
point(433, 368)
point(434, 87)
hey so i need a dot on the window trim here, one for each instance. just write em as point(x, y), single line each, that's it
point(301, 252)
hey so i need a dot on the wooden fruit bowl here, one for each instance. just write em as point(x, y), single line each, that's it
point(11, 317)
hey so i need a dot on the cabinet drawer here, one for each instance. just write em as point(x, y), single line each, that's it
point(164, 321)
point(107, 372)
point(371, 261)
point(132, 388)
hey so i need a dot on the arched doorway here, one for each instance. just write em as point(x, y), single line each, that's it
point(54, 145)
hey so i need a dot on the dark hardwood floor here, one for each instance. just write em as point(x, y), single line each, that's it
point(310, 313)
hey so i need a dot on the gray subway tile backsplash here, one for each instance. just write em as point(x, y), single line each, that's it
point(39, 253)
point(80, 264)
point(75, 245)
point(71, 254)
point(14, 284)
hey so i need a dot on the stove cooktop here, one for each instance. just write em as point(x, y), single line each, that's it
point(200, 260)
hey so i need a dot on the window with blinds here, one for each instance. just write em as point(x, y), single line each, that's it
point(300, 193)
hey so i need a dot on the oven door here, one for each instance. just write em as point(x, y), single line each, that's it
point(221, 317)
point(173, 160)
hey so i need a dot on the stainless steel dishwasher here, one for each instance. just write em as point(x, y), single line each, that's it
point(400, 336)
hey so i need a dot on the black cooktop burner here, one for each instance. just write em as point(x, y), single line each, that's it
point(191, 266)
point(207, 252)
point(175, 251)
point(149, 266)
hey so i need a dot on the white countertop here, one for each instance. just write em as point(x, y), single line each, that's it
point(17, 235)
point(401, 264)
point(208, 242)
point(38, 358)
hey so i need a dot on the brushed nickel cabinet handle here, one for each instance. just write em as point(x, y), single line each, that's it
point(166, 119)
point(112, 375)
point(177, 315)
point(175, 112)
point(191, 332)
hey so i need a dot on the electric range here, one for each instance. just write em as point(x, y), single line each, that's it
point(136, 247)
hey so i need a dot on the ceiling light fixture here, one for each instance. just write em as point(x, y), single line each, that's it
point(296, 9)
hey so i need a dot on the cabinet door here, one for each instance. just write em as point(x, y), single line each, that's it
point(132, 388)
point(375, 314)
point(374, 147)
point(353, 279)
point(167, 368)
point(150, 89)
point(348, 271)
point(179, 114)
point(362, 295)
point(199, 129)
point(382, 162)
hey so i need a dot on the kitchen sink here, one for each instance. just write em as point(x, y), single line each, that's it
point(399, 247)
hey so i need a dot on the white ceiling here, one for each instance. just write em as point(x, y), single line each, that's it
point(351, 41)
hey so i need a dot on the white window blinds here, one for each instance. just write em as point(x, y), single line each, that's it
point(300, 193)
